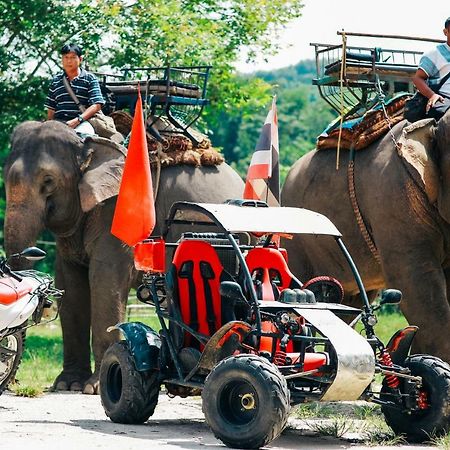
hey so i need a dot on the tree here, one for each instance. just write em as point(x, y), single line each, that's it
point(117, 33)
point(302, 116)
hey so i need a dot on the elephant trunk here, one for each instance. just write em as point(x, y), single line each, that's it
point(23, 225)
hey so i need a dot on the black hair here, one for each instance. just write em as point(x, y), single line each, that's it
point(447, 22)
point(70, 47)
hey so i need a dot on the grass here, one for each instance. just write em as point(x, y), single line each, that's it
point(336, 427)
point(441, 442)
point(41, 361)
point(388, 324)
point(43, 356)
point(377, 432)
point(339, 418)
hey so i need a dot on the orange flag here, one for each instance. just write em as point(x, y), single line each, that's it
point(134, 216)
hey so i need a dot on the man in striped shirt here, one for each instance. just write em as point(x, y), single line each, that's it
point(433, 67)
point(59, 103)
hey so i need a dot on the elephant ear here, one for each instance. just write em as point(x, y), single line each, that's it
point(102, 168)
point(416, 147)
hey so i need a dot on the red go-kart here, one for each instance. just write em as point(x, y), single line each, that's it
point(238, 327)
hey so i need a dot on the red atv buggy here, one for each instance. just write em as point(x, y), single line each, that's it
point(238, 327)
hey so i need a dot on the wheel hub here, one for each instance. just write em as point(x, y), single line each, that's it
point(422, 400)
point(248, 401)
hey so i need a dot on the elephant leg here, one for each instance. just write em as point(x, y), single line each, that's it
point(424, 303)
point(110, 284)
point(75, 323)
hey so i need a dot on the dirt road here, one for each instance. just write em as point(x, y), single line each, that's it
point(75, 421)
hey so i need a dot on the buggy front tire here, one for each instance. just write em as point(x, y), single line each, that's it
point(128, 395)
point(246, 401)
point(433, 416)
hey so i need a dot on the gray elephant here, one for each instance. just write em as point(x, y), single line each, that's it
point(403, 193)
point(56, 182)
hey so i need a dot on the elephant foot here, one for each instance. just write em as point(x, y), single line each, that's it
point(92, 385)
point(69, 382)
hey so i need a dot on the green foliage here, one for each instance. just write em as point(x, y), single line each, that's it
point(336, 427)
point(43, 356)
point(25, 391)
point(118, 33)
point(42, 360)
point(302, 116)
point(440, 442)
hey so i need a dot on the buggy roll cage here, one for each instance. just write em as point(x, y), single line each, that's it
point(237, 216)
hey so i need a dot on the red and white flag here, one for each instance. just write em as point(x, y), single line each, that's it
point(134, 216)
point(263, 176)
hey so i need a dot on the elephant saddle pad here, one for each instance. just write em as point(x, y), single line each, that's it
point(362, 131)
point(175, 148)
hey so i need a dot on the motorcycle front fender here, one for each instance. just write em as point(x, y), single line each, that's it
point(143, 342)
point(400, 344)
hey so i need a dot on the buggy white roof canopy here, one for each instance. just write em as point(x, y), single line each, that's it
point(267, 220)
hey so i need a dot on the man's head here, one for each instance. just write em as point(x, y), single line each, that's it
point(447, 30)
point(71, 57)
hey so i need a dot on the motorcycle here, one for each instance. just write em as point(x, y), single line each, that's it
point(24, 295)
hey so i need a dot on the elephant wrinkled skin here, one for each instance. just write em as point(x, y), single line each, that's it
point(56, 182)
point(405, 204)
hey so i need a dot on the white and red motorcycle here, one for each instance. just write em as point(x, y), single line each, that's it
point(23, 296)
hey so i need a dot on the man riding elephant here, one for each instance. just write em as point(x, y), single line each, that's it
point(60, 104)
point(56, 181)
point(432, 77)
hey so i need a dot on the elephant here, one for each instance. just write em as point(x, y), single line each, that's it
point(402, 186)
point(56, 181)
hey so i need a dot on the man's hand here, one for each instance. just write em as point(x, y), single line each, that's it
point(433, 100)
point(73, 123)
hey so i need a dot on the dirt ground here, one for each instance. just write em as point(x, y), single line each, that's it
point(75, 421)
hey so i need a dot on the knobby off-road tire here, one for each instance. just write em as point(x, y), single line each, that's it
point(246, 401)
point(127, 395)
point(9, 364)
point(420, 426)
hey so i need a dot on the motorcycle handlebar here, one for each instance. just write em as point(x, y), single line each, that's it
point(6, 270)
point(15, 276)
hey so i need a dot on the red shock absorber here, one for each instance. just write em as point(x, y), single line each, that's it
point(280, 358)
point(391, 380)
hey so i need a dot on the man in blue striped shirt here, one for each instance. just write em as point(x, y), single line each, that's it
point(433, 67)
point(59, 103)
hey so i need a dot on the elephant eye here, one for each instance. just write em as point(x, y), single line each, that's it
point(48, 185)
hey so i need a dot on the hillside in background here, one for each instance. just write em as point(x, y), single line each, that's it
point(302, 116)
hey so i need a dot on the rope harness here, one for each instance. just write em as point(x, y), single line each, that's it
point(365, 232)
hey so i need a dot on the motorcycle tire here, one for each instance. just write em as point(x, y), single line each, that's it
point(433, 417)
point(246, 401)
point(127, 395)
point(11, 351)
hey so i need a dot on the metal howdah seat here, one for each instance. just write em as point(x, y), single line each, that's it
point(176, 93)
point(353, 79)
